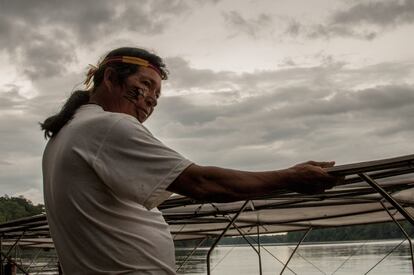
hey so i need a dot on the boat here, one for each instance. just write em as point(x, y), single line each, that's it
point(371, 192)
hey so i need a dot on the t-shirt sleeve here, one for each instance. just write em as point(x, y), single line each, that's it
point(136, 165)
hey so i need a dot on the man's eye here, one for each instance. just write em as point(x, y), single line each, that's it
point(147, 83)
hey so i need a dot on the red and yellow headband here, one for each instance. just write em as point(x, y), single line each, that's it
point(123, 59)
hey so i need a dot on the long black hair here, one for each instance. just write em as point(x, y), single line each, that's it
point(52, 125)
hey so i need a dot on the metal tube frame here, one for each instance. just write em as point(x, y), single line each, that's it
point(387, 197)
point(4, 256)
point(252, 246)
point(402, 231)
point(191, 254)
point(18, 266)
point(383, 258)
point(258, 248)
point(1, 254)
point(297, 246)
point(247, 240)
point(222, 234)
point(43, 267)
point(33, 260)
point(14, 245)
point(397, 206)
point(349, 257)
point(243, 234)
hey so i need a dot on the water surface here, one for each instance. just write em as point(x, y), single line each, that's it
point(337, 258)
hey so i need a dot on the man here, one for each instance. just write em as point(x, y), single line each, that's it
point(105, 173)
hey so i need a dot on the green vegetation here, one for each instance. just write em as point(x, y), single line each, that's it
point(12, 208)
point(379, 231)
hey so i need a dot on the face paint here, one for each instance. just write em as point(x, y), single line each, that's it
point(134, 94)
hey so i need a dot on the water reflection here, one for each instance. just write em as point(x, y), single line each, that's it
point(338, 258)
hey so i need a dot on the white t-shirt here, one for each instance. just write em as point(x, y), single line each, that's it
point(104, 175)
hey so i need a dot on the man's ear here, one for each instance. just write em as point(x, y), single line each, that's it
point(110, 79)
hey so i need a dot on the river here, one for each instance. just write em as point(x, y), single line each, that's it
point(334, 258)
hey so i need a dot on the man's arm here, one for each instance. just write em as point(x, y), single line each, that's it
point(215, 184)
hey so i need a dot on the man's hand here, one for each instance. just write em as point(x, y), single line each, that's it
point(311, 178)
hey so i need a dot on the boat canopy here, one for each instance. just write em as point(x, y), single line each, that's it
point(372, 192)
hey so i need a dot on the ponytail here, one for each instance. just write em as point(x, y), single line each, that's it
point(53, 124)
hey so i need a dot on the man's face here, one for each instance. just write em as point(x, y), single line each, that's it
point(141, 93)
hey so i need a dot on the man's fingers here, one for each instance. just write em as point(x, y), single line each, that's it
point(312, 178)
point(322, 164)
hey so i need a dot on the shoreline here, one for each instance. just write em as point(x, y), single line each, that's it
point(379, 241)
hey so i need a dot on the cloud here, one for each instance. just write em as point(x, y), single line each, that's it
point(337, 30)
point(21, 142)
point(261, 119)
point(294, 27)
point(183, 77)
point(270, 131)
point(330, 74)
point(22, 174)
point(293, 113)
point(45, 57)
point(380, 13)
point(362, 20)
point(20, 135)
point(3, 162)
point(381, 98)
point(92, 19)
point(252, 27)
point(10, 98)
point(42, 37)
point(293, 128)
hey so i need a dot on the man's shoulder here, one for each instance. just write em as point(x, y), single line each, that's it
point(94, 117)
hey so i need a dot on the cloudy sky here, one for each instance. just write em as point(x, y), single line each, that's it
point(254, 85)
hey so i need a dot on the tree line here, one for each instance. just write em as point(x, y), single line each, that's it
point(12, 208)
point(378, 231)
